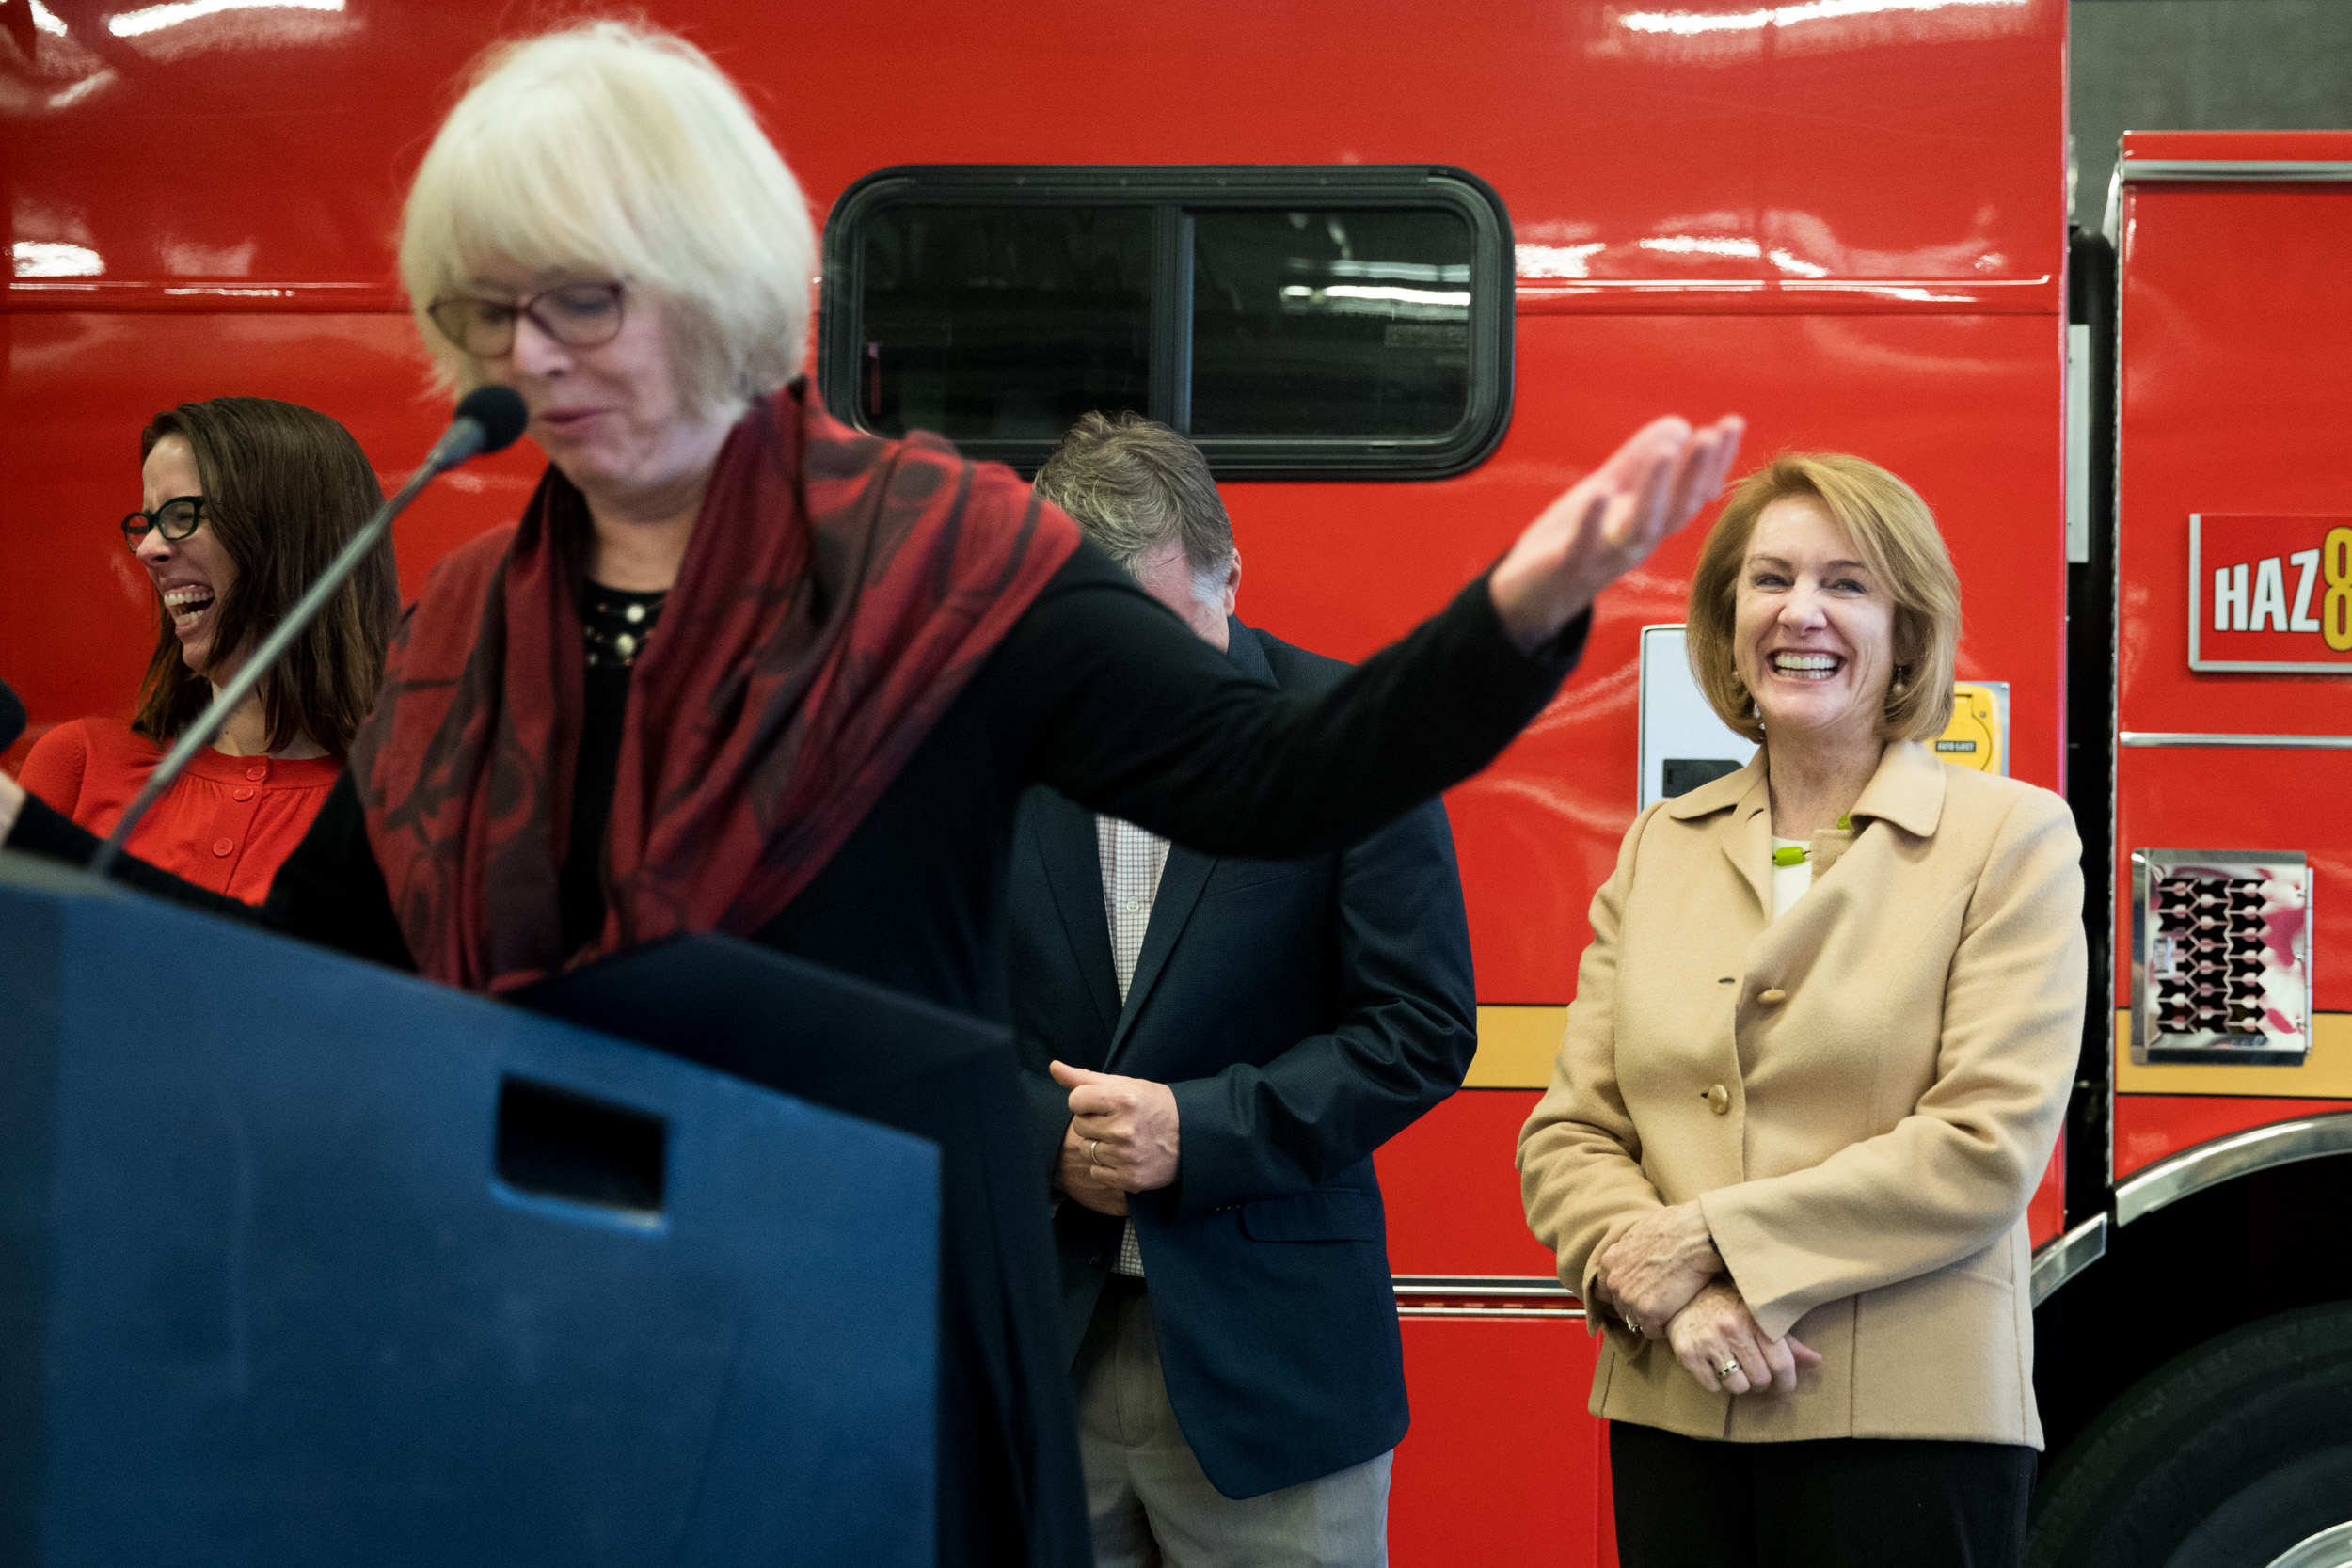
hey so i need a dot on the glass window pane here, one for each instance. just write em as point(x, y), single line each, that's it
point(1332, 323)
point(1003, 321)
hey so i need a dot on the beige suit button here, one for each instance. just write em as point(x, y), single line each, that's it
point(1719, 1100)
point(1776, 994)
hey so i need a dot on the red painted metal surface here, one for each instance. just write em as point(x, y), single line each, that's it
point(1452, 1190)
point(1847, 223)
point(1678, 142)
point(2184, 798)
point(2235, 386)
point(2153, 1127)
point(1503, 1465)
point(2045, 1211)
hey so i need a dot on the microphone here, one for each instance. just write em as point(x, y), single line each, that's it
point(488, 418)
point(11, 717)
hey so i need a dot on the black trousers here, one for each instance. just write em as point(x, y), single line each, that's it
point(1843, 1502)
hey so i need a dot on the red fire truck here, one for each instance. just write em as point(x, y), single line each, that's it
point(1402, 271)
point(2196, 1331)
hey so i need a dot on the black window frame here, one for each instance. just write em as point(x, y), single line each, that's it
point(1170, 191)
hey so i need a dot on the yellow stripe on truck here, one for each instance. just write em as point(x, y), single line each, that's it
point(2325, 1074)
point(1516, 1047)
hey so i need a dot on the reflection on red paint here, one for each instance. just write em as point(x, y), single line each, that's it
point(2153, 1127)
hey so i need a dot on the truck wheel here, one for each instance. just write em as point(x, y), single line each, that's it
point(2234, 1455)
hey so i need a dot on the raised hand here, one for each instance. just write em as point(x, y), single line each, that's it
point(1608, 522)
point(1719, 1341)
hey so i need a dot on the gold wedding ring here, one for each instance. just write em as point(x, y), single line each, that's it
point(1727, 1369)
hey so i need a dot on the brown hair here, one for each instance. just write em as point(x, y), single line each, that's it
point(285, 488)
point(1895, 534)
point(1132, 485)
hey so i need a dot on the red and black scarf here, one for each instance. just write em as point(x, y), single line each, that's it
point(837, 592)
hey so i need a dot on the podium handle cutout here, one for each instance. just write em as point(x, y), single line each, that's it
point(555, 1144)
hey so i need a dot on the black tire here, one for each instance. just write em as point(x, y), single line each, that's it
point(2224, 1457)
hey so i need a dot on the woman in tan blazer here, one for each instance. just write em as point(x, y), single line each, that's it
point(1815, 1065)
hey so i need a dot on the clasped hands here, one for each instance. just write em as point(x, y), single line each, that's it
point(1121, 1137)
point(1665, 1278)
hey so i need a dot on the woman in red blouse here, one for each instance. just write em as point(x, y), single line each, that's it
point(246, 500)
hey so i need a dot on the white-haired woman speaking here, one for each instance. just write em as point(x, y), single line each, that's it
point(1816, 1061)
point(739, 668)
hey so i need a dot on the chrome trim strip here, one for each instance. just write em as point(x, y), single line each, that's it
point(2144, 870)
point(1455, 1285)
point(2233, 168)
point(2142, 1025)
point(106, 294)
point(2329, 1548)
point(2209, 1164)
point(2057, 1260)
point(2196, 585)
point(2195, 737)
point(1484, 1295)
point(2078, 445)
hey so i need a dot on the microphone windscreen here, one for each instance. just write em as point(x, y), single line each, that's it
point(11, 717)
point(500, 412)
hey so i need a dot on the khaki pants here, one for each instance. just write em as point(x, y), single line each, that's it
point(1150, 1502)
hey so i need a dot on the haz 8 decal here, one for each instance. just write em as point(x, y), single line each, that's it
point(2270, 594)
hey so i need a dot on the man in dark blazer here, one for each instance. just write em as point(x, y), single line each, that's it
point(1214, 1047)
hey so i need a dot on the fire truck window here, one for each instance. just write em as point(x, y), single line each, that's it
point(1003, 321)
point(1330, 323)
point(1305, 322)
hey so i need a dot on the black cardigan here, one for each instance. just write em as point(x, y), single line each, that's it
point(1097, 690)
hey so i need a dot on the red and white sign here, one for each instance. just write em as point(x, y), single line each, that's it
point(2270, 594)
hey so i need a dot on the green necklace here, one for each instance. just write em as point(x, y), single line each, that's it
point(1797, 854)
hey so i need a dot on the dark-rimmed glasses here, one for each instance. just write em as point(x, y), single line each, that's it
point(175, 519)
point(578, 315)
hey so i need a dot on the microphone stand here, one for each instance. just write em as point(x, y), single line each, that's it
point(463, 441)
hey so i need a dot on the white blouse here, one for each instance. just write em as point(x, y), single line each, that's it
point(1789, 882)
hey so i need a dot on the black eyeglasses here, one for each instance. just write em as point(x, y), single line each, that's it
point(175, 519)
point(578, 315)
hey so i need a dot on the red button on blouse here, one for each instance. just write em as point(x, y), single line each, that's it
point(90, 769)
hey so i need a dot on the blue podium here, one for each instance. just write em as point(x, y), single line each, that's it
point(303, 1262)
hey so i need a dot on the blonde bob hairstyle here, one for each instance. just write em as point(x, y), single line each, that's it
point(612, 151)
point(1893, 534)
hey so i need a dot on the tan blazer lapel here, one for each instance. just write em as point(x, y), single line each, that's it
point(1747, 839)
point(1827, 849)
point(1907, 789)
point(1746, 832)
